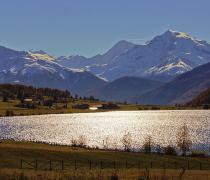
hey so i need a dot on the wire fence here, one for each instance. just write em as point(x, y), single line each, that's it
point(76, 164)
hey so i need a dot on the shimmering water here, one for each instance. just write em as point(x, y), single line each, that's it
point(110, 127)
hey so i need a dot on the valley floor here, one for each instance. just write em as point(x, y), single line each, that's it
point(61, 162)
point(11, 106)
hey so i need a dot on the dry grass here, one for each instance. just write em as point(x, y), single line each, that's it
point(11, 152)
point(10, 174)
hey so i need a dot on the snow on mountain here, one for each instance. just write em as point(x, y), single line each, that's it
point(181, 90)
point(40, 70)
point(178, 67)
point(162, 58)
point(40, 55)
point(99, 63)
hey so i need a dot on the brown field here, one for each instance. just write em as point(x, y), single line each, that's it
point(12, 152)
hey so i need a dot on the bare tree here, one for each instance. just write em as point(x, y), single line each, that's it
point(148, 144)
point(106, 143)
point(184, 139)
point(127, 141)
point(81, 141)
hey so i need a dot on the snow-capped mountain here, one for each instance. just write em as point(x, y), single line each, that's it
point(163, 58)
point(181, 90)
point(99, 63)
point(40, 70)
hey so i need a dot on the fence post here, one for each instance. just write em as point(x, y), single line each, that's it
point(101, 165)
point(36, 164)
point(175, 163)
point(75, 164)
point(62, 165)
point(188, 164)
point(151, 164)
point(21, 164)
point(126, 164)
point(50, 164)
point(139, 165)
point(114, 165)
point(90, 165)
point(164, 165)
point(200, 166)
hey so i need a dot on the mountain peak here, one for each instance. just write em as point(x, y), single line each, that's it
point(38, 52)
point(120, 47)
point(176, 34)
point(124, 42)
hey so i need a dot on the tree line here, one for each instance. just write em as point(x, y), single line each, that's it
point(183, 143)
point(10, 91)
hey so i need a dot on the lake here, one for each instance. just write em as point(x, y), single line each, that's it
point(109, 127)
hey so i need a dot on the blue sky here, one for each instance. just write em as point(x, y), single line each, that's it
point(89, 27)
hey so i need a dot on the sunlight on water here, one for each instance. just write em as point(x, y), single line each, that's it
point(161, 125)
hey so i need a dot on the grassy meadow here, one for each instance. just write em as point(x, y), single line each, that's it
point(63, 162)
point(11, 105)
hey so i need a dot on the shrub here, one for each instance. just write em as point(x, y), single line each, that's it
point(169, 150)
point(155, 108)
point(79, 142)
point(198, 154)
point(184, 139)
point(9, 113)
point(148, 144)
point(109, 106)
point(205, 106)
point(5, 99)
point(81, 106)
point(114, 176)
point(127, 141)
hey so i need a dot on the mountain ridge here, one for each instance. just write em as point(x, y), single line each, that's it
point(123, 89)
point(21, 67)
point(180, 90)
point(162, 58)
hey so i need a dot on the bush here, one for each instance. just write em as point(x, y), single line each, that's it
point(205, 106)
point(127, 142)
point(169, 150)
point(81, 106)
point(114, 176)
point(5, 99)
point(184, 140)
point(155, 108)
point(79, 142)
point(9, 113)
point(148, 144)
point(198, 154)
point(109, 106)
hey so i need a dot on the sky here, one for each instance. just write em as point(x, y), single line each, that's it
point(90, 27)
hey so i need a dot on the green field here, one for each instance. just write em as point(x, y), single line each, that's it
point(30, 157)
point(11, 105)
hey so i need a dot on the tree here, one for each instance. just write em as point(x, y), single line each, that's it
point(184, 140)
point(79, 142)
point(148, 144)
point(169, 150)
point(127, 141)
point(5, 99)
point(106, 143)
point(205, 106)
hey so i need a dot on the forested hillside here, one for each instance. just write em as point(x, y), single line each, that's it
point(202, 100)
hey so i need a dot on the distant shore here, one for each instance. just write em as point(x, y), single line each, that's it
point(10, 108)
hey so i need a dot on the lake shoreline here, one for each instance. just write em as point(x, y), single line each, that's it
point(101, 111)
point(106, 130)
